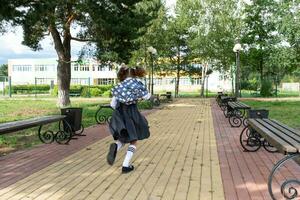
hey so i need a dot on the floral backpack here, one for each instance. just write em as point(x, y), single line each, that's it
point(129, 91)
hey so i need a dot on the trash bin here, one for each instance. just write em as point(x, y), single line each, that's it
point(262, 113)
point(74, 117)
point(169, 95)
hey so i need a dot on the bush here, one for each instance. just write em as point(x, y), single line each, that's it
point(106, 93)
point(85, 92)
point(251, 84)
point(30, 89)
point(266, 88)
point(145, 105)
point(54, 91)
point(95, 92)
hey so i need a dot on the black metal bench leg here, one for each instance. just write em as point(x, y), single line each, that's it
point(47, 136)
point(65, 133)
point(288, 191)
point(250, 140)
point(235, 118)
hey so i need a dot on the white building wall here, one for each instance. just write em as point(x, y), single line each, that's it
point(31, 69)
point(291, 87)
point(25, 71)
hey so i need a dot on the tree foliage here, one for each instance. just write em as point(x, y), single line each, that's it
point(111, 25)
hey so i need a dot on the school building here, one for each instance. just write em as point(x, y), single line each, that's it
point(92, 72)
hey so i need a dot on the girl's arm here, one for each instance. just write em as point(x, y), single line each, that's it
point(114, 102)
point(147, 96)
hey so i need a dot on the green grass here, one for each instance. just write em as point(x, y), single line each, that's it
point(280, 94)
point(287, 112)
point(18, 109)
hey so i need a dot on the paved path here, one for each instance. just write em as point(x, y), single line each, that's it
point(245, 174)
point(179, 161)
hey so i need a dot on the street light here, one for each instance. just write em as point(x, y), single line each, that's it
point(152, 51)
point(236, 49)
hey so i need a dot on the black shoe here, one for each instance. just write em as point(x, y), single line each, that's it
point(111, 156)
point(127, 169)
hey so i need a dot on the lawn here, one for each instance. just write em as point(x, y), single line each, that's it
point(17, 109)
point(287, 112)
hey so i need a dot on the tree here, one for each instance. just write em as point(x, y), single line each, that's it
point(154, 36)
point(111, 25)
point(259, 35)
point(3, 70)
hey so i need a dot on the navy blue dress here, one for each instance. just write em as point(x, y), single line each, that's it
point(128, 124)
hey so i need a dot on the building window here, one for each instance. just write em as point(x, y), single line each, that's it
point(84, 68)
point(22, 68)
point(41, 68)
point(80, 81)
point(106, 81)
point(100, 68)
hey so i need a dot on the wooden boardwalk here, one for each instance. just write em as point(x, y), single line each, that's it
point(245, 174)
point(179, 161)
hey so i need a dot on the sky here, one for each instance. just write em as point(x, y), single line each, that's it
point(11, 45)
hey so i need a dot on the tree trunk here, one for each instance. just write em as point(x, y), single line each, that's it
point(261, 70)
point(177, 82)
point(63, 50)
point(63, 83)
point(204, 71)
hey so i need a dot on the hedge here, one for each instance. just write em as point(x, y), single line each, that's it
point(29, 89)
point(87, 91)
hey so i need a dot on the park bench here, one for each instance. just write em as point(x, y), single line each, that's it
point(155, 100)
point(236, 113)
point(275, 137)
point(100, 117)
point(68, 127)
point(224, 101)
point(218, 97)
point(75, 93)
point(166, 97)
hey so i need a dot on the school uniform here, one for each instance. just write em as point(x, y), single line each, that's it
point(127, 123)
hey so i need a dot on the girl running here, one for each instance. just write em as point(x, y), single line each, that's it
point(127, 125)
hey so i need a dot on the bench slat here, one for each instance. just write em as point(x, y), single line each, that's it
point(273, 139)
point(296, 132)
point(10, 127)
point(293, 134)
point(238, 105)
point(281, 134)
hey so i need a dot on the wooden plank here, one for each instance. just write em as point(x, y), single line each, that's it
point(238, 105)
point(281, 134)
point(273, 139)
point(296, 132)
point(295, 135)
point(28, 123)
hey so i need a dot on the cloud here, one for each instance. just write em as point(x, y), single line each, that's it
point(11, 47)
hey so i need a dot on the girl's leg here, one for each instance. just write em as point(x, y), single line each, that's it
point(112, 152)
point(119, 145)
point(126, 163)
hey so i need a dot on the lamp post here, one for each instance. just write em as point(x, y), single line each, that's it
point(236, 49)
point(152, 51)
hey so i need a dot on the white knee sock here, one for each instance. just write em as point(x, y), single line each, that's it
point(131, 149)
point(119, 144)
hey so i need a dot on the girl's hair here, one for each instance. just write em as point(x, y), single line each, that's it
point(125, 72)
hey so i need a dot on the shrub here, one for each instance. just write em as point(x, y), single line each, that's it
point(54, 91)
point(266, 88)
point(145, 105)
point(95, 92)
point(85, 92)
point(30, 89)
point(106, 93)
